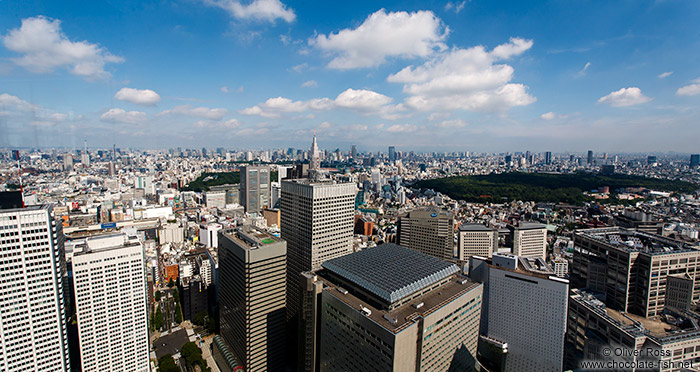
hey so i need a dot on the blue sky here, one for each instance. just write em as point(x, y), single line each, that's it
point(563, 76)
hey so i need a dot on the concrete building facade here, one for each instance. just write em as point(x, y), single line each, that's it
point(317, 223)
point(529, 239)
point(33, 325)
point(475, 239)
point(110, 292)
point(255, 188)
point(253, 272)
point(390, 308)
point(428, 230)
point(525, 307)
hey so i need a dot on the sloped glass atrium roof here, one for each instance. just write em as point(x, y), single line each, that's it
point(391, 272)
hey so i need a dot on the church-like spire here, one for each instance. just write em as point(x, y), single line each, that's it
point(315, 163)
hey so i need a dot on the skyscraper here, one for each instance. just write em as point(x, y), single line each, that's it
point(590, 157)
point(252, 273)
point(315, 162)
point(694, 160)
point(33, 324)
point(392, 154)
point(390, 308)
point(109, 277)
point(428, 230)
point(255, 187)
point(353, 151)
point(525, 307)
point(317, 223)
point(548, 157)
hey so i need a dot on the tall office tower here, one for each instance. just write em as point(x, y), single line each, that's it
point(33, 322)
point(633, 268)
point(353, 151)
point(255, 187)
point(525, 307)
point(390, 308)
point(392, 154)
point(315, 162)
point(428, 230)
point(317, 223)
point(109, 277)
point(309, 326)
point(252, 276)
point(651, 160)
point(145, 183)
point(694, 160)
point(590, 157)
point(67, 162)
point(548, 157)
point(85, 159)
point(475, 239)
point(509, 160)
point(528, 239)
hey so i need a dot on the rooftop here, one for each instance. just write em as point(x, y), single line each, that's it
point(637, 241)
point(398, 319)
point(475, 227)
point(252, 237)
point(391, 272)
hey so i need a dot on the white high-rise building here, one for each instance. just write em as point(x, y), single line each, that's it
point(475, 239)
point(110, 291)
point(524, 306)
point(33, 334)
point(317, 223)
point(529, 239)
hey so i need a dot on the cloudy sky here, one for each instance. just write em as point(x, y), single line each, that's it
point(615, 76)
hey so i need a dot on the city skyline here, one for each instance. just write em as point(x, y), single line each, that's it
point(449, 75)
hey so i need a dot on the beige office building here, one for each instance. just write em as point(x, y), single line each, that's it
point(428, 230)
point(529, 239)
point(475, 239)
point(252, 290)
point(317, 223)
point(390, 308)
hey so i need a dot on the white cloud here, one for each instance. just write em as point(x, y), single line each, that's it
point(44, 47)
point(7, 100)
point(325, 125)
point(383, 35)
point(664, 75)
point(402, 128)
point(309, 84)
point(438, 116)
point(689, 90)
point(457, 123)
point(228, 124)
point(467, 79)
point(457, 7)
point(358, 127)
point(224, 89)
point(359, 100)
point(300, 67)
point(258, 10)
point(198, 112)
point(59, 116)
point(252, 131)
point(625, 97)
point(585, 68)
point(117, 115)
point(548, 116)
point(145, 97)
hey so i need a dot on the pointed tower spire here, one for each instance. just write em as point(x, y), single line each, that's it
point(315, 163)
